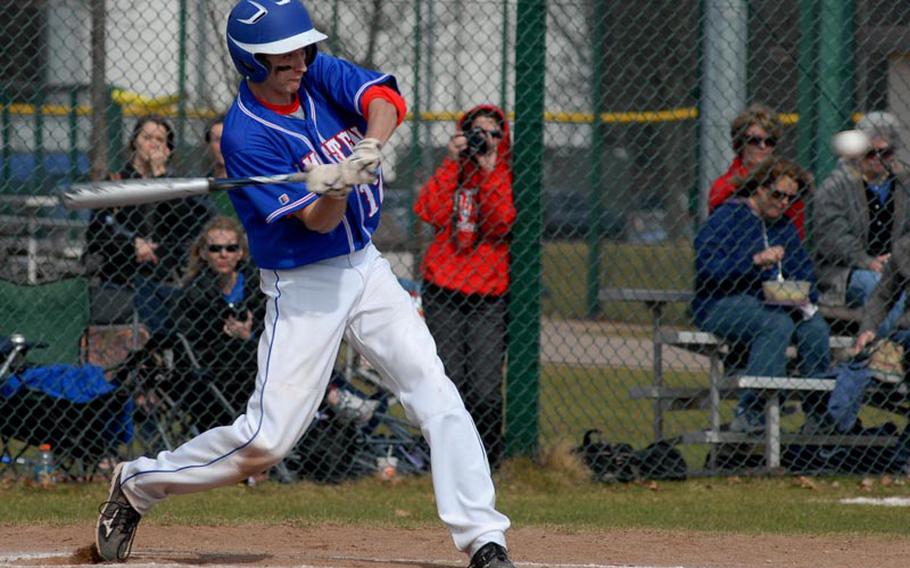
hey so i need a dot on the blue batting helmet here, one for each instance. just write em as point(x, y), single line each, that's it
point(267, 27)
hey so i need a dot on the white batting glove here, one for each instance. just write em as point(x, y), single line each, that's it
point(340, 193)
point(322, 178)
point(362, 166)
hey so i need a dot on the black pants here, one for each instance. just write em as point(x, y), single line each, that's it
point(470, 334)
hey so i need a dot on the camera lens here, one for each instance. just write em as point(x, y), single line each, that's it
point(477, 142)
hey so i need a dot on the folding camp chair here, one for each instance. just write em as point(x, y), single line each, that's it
point(177, 397)
point(114, 330)
point(73, 408)
point(50, 397)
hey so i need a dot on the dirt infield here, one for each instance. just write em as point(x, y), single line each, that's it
point(359, 547)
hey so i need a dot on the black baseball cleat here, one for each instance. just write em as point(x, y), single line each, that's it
point(491, 555)
point(117, 523)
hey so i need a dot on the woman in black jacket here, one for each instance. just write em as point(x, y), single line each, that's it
point(220, 311)
point(142, 248)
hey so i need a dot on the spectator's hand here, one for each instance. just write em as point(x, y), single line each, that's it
point(239, 329)
point(862, 340)
point(879, 262)
point(457, 144)
point(768, 257)
point(157, 161)
point(145, 251)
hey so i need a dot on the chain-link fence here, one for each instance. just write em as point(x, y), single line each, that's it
point(586, 288)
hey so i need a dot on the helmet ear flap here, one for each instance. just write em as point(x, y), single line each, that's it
point(310, 52)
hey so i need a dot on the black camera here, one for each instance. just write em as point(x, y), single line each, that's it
point(477, 142)
point(235, 310)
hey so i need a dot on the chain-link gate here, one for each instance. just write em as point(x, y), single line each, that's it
point(644, 231)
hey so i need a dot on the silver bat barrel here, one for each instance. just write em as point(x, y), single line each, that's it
point(96, 195)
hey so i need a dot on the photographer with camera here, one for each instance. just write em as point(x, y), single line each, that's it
point(219, 311)
point(468, 202)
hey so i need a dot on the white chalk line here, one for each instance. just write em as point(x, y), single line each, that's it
point(881, 501)
point(15, 558)
point(406, 561)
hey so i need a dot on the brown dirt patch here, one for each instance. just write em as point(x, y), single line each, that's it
point(359, 547)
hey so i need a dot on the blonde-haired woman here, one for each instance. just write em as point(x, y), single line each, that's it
point(219, 311)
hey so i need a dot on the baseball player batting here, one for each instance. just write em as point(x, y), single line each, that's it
point(298, 109)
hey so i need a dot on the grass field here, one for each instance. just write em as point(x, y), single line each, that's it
point(555, 494)
point(565, 275)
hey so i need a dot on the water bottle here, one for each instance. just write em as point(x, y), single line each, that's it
point(45, 473)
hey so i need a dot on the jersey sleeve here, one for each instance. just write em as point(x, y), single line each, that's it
point(387, 94)
point(270, 202)
point(344, 83)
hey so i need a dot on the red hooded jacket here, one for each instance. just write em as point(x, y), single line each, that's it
point(484, 268)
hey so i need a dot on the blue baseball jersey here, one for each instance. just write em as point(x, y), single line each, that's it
point(259, 141)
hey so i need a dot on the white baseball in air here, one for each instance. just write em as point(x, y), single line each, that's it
point(851, 144)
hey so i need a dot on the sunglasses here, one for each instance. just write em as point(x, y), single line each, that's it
point(880, 153)
point(215, 249)
point(758, 141)
point(494, 133)
point(783, 195)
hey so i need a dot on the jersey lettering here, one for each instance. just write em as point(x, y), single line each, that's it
point(332, 147)
point(335, 146)
point(346, 138)
point(365, 191)
point(311, 159)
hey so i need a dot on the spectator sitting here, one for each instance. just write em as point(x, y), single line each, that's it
point(755, 133)
point(854, 377)
point(859, 211)
point(143, 246)
point(468, 202)
point(219, 310)
point(891, 289)
point(746, 242)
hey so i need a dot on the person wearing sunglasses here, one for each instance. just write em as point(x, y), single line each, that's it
point(468, 203)
point(859, 211)
point(747, 241)
point(219, 311)
point(755, 134)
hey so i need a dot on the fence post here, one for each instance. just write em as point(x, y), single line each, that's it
point(598, 131)
point(835, 78)
point(723, 87)
point(806, 85)
point(182, 157)
point(414, 150)
point(114, 118)
point(40, 169)
point(73, 127)
point(6, 135)
point(523, 383)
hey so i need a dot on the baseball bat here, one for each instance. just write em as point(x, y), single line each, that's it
point(119, 193)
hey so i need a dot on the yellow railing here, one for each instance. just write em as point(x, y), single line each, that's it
point(135, 105)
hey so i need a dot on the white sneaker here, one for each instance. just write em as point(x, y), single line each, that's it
point(353, 408)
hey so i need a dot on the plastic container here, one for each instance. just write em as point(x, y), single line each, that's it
point(786, 292)
point(45, 470)
point(387, 466)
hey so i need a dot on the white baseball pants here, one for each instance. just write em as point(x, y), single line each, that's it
point(310, 309)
